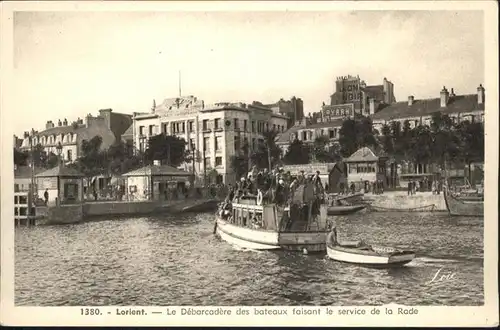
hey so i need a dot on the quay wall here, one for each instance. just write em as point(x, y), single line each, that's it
point(64, 214)
point(401, 200)
point(116, 208)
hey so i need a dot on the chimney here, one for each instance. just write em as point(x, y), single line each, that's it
point(372, 105)
point(26, 134)
point(59, 123)
point(480, 94)
point(452, 93)
point(65, 122)
point(444, 97)
point(410, 100)
point(48, 124)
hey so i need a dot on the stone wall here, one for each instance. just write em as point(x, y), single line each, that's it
point(64, 214)
point(117, 208)
point(401, 200)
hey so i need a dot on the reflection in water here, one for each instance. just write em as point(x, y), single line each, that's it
point(175, 260)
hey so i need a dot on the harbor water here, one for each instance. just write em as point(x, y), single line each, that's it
point(176, 260)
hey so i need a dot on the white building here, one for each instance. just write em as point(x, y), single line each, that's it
point(217, 131)
point(66, 137)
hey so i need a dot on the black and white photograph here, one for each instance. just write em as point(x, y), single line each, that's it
point(238, 158)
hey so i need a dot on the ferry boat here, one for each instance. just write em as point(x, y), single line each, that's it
point(300, 225)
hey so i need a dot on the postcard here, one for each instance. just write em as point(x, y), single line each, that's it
point(249, 163)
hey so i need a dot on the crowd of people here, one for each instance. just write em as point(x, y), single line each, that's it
point(276, 186)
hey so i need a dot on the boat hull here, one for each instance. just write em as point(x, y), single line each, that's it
point(461, 207)
point(257, 239)
point(354, 256)
point(343, 210)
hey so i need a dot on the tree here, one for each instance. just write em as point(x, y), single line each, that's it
point(267, 153)
point(356, 133)
point(20, 157)
point(52, 160)
point(471, 143)
point(121, 159)
point(169, 148)
point(445, 140)
point(297, 153)
point(420, 145)
point(324, 151)
point(239, 162)
point(92, 161)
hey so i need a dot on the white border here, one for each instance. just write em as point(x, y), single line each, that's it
point(427, 316)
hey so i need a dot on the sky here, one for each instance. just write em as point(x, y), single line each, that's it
point(69, 64)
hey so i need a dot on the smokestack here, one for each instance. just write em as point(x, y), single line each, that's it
point(480, 94)
point(410, 100)
point(444, 97)
point(452, 93)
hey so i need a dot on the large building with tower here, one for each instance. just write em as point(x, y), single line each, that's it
point(215, 131)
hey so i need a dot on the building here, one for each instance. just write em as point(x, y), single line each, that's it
point(156, 182)
point(458, 107)
point(419, 111)
point(64, 185)
point(352, 95)
point(364, 168)
point(333, 175)
point(23, 177)
point(66, 138)
point(293, 109)
point(216, 131)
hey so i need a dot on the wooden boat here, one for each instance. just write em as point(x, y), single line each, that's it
point(298, 226)
point(349, 199)
point(463, 207)
point(426, 208)
point(360, 253)
point(344, 209)
point(209, 205)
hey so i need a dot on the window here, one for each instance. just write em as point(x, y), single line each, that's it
point(206, 144)
point(218, 143)
point(237, 143)
point(205, 124)
point(151, 128)
point(274, 127)
point(253, 127)
point(332, 134)
point(208, 164)
point(69, 155)
point(218, 161)
point(164, 128)
point(141, 130)
point(254, 143)
point(245, 125)
point(191, 126)
point(304, 135)
point(183, 127)
point(217, 123)
point(236, 123)
point(267, 126)
point(191, 144)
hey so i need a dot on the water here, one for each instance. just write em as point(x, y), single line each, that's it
point(170, 260)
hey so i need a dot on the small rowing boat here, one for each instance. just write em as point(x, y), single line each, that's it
point(426, 208)
point(344, 209)
point(357, 252)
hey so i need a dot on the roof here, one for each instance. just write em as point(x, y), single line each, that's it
point(25, 171)
point(60, 171)
point(456, 104)
point(285, 136)
point(364, 154)
point(374, 90)
point(60, 130)
point(150, 170)
point(333, 123)
point(129, 131)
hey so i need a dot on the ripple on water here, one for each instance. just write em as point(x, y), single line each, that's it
point(168, 260)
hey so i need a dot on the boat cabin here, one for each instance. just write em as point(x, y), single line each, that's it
point(305, 212)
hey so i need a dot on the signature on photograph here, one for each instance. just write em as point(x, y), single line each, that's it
point(442, 276)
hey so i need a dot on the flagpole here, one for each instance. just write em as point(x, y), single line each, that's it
point(180, 93)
